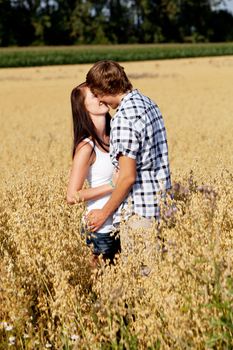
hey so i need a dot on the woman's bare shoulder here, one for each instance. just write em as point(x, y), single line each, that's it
point(84, 147)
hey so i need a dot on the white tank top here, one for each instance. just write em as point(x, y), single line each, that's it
point(100, 173)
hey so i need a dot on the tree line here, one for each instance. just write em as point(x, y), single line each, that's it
point(59, 22)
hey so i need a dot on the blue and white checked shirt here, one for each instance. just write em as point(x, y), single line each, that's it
point(138, 132)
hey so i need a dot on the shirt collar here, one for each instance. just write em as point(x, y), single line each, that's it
point(126, 98)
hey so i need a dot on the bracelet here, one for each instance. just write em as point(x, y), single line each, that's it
point(112, 184)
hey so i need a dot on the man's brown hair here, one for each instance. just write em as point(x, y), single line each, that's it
point(108, 78)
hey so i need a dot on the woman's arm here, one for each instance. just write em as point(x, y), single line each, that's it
point(127, 177)
point(80, 166)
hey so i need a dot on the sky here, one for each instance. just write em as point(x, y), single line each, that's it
point(228, 6)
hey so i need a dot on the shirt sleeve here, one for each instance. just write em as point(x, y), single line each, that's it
point(162, 161)
point(124, 140)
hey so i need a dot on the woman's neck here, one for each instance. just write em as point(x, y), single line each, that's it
point(100, 125)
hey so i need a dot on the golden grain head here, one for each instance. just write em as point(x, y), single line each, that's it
point(49, 295)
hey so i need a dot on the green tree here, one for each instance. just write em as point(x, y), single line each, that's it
point(16, 26)
point(6, 32)
point(194, 19)
point(86, 22)
point(67, 22)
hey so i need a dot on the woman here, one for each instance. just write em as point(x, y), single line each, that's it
point(91, 162)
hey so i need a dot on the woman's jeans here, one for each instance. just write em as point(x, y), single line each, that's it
point(107, 244)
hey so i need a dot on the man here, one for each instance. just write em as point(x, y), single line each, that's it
point(138, 147)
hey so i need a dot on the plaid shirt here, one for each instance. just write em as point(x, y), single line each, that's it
point(138, 132)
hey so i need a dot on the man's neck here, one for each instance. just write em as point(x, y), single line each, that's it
point(121, 96)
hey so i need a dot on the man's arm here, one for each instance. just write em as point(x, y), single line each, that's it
point(127, 177)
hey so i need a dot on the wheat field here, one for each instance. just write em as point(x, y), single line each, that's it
point(49, 296)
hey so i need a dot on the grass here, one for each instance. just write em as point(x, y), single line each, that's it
point(45, 56)
point(49, 296)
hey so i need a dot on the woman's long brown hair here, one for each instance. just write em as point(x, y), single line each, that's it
point(83, 125)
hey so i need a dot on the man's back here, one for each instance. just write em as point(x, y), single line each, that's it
point(138, 132)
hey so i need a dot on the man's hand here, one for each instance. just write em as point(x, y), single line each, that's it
point(95, 219)
point(127, 175)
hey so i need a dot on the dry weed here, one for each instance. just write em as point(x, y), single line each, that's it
point(49, 296)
